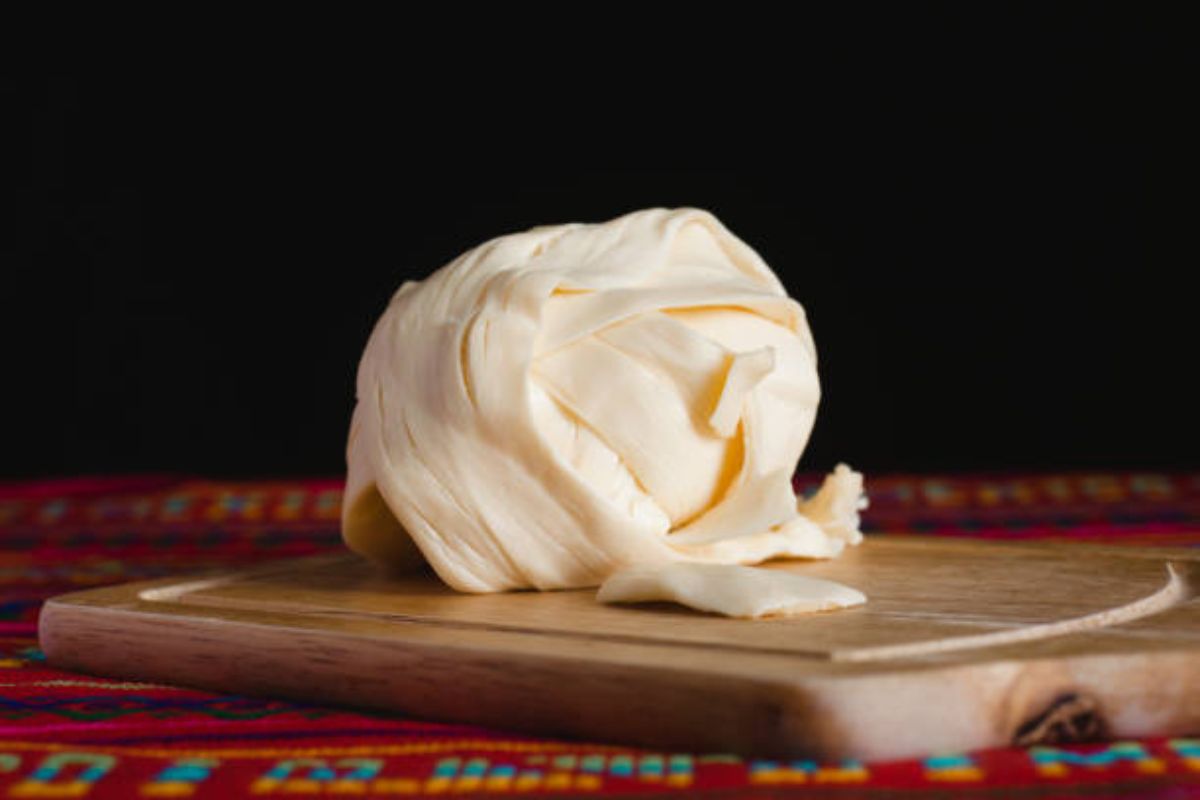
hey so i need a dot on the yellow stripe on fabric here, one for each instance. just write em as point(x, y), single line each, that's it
point(316, 752)
point(89, 685)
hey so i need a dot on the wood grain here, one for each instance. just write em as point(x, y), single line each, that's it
point(963, 644)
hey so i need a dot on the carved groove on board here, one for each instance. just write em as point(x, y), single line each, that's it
point(179, 593)
point(1175, 591)
point(172, 593)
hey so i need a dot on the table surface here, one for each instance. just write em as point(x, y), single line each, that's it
point(64, 734)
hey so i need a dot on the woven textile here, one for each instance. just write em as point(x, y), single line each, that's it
point(70, 735)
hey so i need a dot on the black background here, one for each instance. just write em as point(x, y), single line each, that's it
point(979, 214)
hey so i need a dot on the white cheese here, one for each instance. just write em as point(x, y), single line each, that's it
point(560, 404)
point(729, 589)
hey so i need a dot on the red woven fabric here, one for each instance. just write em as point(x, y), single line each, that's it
point(70, 735)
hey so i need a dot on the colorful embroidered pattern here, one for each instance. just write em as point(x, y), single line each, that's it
point(68, 735)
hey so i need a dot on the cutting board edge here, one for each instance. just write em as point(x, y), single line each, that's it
point(64, 624)
point(816, 716)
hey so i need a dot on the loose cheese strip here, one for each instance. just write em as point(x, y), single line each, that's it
point(735, 591)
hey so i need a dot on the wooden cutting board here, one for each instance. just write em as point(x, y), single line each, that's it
point(963, 644)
